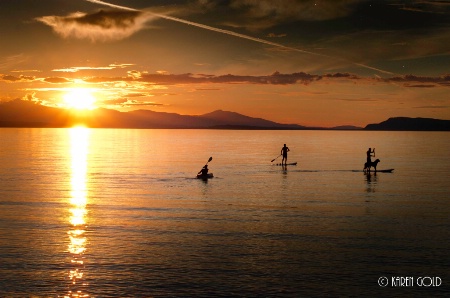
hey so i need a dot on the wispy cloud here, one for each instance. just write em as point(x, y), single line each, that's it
point(125, 102)
point(25, 70)
point(129, 103)
point(78, 68)
point(11, 61)
point(99, 26)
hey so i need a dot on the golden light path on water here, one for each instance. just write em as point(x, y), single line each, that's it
point(79, 149)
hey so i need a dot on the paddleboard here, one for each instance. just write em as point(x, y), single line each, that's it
point(379, 171)
point(288, 164)
point(383, 171)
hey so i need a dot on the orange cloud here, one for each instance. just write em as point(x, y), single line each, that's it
point(9, 78)
point(57, 80)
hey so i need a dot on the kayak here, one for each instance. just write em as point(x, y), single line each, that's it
point(207, 176)
point(289, 164)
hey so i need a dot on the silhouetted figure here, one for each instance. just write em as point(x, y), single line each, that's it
point(369, 155)
point(204, 171)
point(284, 152)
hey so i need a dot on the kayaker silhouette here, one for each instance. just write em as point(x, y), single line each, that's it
point(284, 152)
point(204, 171)
point(203, 174)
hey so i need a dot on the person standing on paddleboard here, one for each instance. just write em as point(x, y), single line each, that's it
point(369, 155)
point(284, 152)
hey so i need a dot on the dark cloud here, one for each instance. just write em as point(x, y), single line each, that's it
point(356, 30)
point(117, 19)
point(341, 75)
point(276, 78)
point(288, 10)
point(262, 14)
point(273, 35)
point(273, 79)
point(429, 6)
point(410, 80)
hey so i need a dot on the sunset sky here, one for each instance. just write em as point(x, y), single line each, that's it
point(315, 63)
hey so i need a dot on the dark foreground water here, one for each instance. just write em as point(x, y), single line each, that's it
point(117, 213)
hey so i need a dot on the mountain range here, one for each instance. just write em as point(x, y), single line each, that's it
point(21, 113)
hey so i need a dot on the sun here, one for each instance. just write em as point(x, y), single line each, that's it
point(80, 99)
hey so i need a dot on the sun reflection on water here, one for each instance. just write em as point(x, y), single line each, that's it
point(79, 146)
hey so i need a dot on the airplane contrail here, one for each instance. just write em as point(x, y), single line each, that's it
point(228, 32)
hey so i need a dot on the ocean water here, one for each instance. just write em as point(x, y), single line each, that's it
point(119, 213)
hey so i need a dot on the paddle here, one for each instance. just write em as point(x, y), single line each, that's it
point(209, 159)
point(275, 158)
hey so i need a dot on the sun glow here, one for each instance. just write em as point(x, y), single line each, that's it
point(80, 99)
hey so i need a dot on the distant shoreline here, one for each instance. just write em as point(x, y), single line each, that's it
point(25, 114)
point(43, 125)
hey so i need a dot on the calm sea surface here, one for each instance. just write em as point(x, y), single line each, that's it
point(118, 213)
